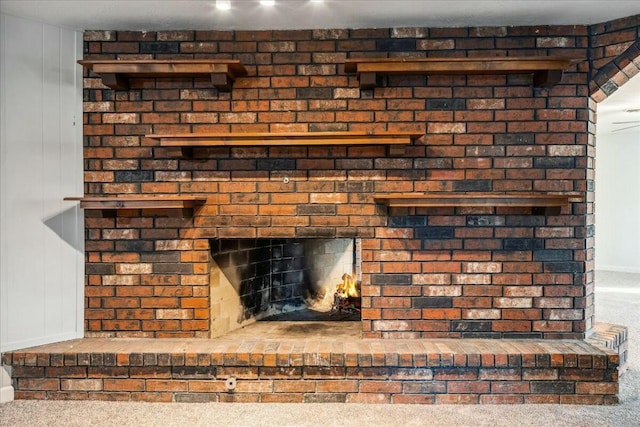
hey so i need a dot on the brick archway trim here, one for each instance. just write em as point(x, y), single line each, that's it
point(615, 74)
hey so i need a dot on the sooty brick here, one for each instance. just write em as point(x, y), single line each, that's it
point(524, 221)
point(609, 87)
point(396, 45)
point(522, 244)
point(485, 220)
point(314, 93)
point(355, 187)
point(134, 176)
point(432, 302)
point(153, 48)
point(552, 387)
point(470, 326)
point(483, 335)
point(471, 185)
point(514, 138)
point(320, 209)
point(193, 372)
point(320, 232)
point(276, 164)
point(435, 233)
point(391, 279)
point(553, 255)
point(135, 245)
point(554, 162)
point(564, 267)
point(102, 269)
point(446, 104)
point(408, 221)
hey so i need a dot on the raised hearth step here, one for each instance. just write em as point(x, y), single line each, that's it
point(365, 371)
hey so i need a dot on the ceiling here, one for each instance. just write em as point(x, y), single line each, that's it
point(616, 113)
point(305, 14)
point(308, 14)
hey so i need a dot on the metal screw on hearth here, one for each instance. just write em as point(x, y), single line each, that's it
point(231, 384)
point(286, 180)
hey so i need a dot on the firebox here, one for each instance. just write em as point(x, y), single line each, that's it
point(283, 280)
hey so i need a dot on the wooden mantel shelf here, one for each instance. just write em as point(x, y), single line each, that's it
point(140, 201)
point(542, 203)
point(547, 70)
point(116, 73)
point(266, 139)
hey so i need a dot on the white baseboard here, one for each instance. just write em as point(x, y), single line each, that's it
point(6, 394)
point(618, 268)
point(6, 389)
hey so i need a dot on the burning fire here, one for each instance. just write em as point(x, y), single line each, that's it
point(345, 299)
point(347, 288)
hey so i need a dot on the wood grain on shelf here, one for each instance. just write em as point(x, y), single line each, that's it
point(139, 201)
point(284, 139)
point(437, 200)
point(116, 73)
point(547, 70)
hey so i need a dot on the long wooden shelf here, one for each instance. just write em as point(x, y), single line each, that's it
point(116, 73)
point(139, 201)
point(284, 139)
point(542, 203)
point(547, 71)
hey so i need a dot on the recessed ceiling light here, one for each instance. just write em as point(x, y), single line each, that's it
point(223, 4)
point(268, 2)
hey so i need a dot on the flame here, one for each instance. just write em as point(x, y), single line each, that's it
point(348, 287)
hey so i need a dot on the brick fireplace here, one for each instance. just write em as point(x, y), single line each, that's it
point(476, 283)
point(448, 271)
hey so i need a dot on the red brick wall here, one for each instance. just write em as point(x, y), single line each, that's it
point(446, 273)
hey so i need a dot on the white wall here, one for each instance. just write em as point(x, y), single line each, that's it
point(41, 236)
point(618, 201)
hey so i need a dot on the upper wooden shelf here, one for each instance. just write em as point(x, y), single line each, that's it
point(542, 203)
point(267, 139)
point(547, 71)
point(138, 201)
point(116, 73)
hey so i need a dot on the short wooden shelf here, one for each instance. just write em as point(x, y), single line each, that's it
point(547, 71)
point(116, 73)
point(138, 202)
point(541, 203)
point(266, 139)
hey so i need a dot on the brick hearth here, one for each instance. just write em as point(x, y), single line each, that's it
point(466, 371)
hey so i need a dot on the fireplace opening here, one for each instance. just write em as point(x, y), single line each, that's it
point(286, 280)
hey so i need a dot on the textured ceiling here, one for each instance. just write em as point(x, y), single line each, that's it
point(305, 14)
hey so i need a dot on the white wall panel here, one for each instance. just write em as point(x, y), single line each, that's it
point(618, 201)
point(41, 250)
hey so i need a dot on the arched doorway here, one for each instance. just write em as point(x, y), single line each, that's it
point(618, 181)
point(617, 199)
